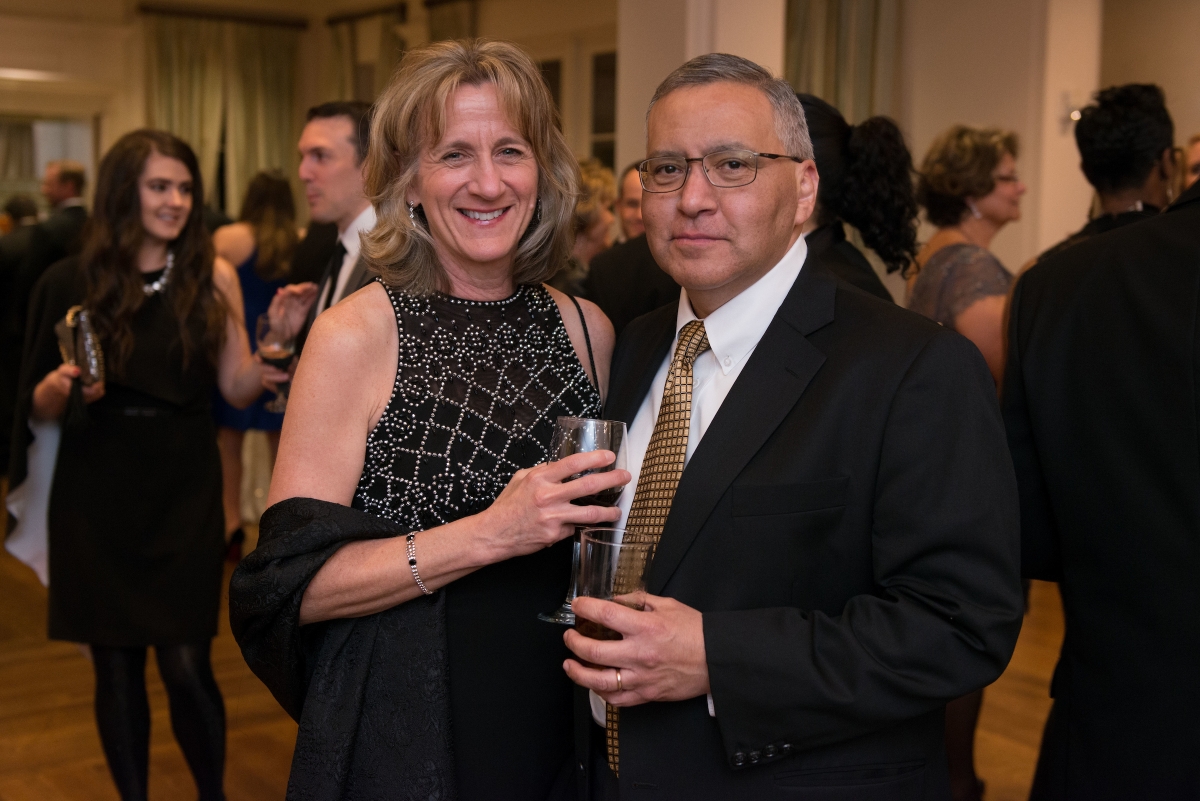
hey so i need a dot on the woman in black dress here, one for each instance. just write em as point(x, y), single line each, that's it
point(402, 631)
point(135, 524)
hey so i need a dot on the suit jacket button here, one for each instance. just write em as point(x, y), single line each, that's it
point(739, 759)
point(786, 748)
point(754, 757)
point(770, 752)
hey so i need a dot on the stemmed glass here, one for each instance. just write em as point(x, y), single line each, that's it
point(276, 347)
point(580, 435)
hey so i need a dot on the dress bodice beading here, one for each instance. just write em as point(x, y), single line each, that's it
point(478, 387)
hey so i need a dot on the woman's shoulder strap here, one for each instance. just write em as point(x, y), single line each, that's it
point(587, 339)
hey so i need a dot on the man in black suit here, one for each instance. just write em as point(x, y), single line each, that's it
point(825, 479)
point(14, 248)
point(1100, 401)
point(626, 282)
point(333, 147)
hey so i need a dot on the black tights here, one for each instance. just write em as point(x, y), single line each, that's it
point(123, 715)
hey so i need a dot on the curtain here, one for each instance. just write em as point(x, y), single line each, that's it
point(846, 52)
point(185, 84)
point(224, 85)
point(16, 151)
point(365, 79)
point(259, 117)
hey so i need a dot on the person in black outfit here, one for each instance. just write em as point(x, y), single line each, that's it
point(626, 282)
point(135, 524)
point(14, 248)
point(1100, 404)
point(416, 530)
point(1126, 149)
point(839, 554)
point(866, 181)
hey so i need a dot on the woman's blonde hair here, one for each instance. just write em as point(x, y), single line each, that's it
point(597, 191)
point(411, 116)
point(958, 166)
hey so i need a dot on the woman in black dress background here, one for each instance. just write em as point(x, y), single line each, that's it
point(136, 535)
point(417, 530)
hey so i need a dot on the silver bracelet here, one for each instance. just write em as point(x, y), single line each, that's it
point(411, 541)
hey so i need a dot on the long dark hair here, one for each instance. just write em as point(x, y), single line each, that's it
point(270, 209)
point(866, 180)
point(114, 238)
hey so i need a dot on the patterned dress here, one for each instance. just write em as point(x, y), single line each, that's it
point(478, 387)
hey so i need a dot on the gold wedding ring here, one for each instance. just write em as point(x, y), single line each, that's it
point(619, 687)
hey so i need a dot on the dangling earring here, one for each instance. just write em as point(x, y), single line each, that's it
point(412, 217)
point(974, 211)
point(537, 213)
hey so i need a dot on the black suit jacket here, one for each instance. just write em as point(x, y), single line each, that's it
point(14, 248)
point(848, 527)
point(360, 276)
point(626, 282)
point(829, 252)
point(1101, 403)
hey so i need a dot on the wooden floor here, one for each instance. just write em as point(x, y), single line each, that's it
point(49, 750)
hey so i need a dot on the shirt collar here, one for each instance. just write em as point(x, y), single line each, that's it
point(349, 238)
point(69, 202)
point(736, 327)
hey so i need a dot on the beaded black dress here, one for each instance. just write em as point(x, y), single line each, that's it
point(478, 388)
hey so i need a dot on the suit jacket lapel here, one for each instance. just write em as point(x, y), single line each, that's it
point(779, 370)
point(360, 276)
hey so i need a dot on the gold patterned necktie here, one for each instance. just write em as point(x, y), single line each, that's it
point(661, 470)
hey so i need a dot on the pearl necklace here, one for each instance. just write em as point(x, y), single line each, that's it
point(160, 284)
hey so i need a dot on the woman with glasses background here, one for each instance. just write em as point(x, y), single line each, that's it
point(970, 189)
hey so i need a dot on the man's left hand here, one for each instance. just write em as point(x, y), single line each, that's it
point(661, 657)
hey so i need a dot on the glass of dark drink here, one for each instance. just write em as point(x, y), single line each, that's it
point(612, 569)
point(276, 347)
point(580, 435)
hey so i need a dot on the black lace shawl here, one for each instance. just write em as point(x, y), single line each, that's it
point(371, 694)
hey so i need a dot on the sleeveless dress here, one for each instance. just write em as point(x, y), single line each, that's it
point(257, 293)
point(135, 518)
point(478, 388)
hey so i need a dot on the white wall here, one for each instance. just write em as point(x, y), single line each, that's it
point(656, 36)
point(1072, 75)
point(1156, 41)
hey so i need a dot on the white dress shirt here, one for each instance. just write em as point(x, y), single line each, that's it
point(351, 241)
point(733, 332)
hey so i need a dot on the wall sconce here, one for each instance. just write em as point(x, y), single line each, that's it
point(1070, 113)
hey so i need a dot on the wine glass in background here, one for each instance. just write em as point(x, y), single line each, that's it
point(276, 347)
point(581, 435)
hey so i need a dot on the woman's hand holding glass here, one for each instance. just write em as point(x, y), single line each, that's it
point(535, 510)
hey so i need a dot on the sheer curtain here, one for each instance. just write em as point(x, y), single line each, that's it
point(259, 117)
point(846, 52)
point(212, 81)
point(185, 84)
point(363, 66)
point(16, 151)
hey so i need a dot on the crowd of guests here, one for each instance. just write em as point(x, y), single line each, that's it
point(842, 575)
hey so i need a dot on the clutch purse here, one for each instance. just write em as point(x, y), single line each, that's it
point(79, 345)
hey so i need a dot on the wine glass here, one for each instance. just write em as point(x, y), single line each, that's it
point(276, 347)
point(580, 435)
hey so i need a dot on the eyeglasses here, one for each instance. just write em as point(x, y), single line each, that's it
point(724, 169)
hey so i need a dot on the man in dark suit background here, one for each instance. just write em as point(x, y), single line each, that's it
point(626, 282)
point(1100, 401)
point(14, 248)
point(333, 146)
point(825, 479)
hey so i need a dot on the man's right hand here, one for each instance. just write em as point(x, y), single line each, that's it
point(290, 306)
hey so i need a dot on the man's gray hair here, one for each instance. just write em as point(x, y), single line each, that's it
point(722, 67)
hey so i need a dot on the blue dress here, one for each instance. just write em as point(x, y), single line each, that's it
point(256, 297)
